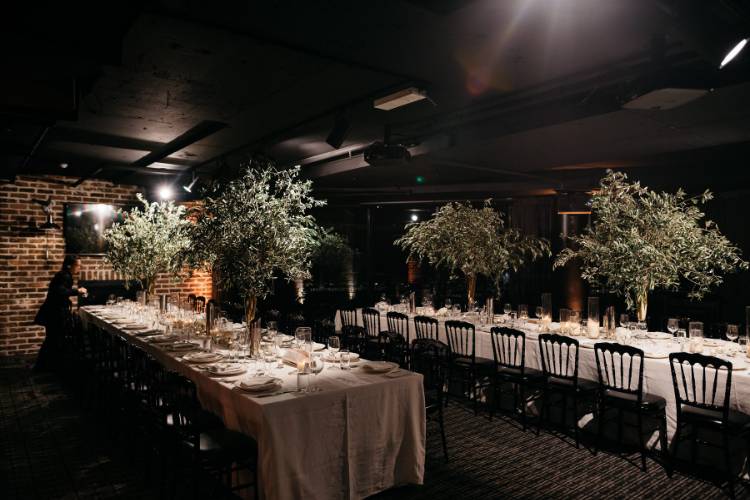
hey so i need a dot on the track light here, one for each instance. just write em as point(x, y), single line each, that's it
point(733, 53)
point(189, 187)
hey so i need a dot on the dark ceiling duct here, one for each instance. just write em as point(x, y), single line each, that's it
point(339, 132)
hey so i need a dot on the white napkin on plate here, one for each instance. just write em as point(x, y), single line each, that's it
point(259, 384)
point(295, 356)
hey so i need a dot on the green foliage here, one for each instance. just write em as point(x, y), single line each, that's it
point(471, 241)
point(256, 226)
point(149, 240)
point(641, 240)
point(332, 257)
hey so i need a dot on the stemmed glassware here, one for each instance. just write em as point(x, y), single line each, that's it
point(334, 345)
point(673, 325)
point(316, 366)
point(625, 320)
point(733, 332)
point(538, 312)
point(507, 308)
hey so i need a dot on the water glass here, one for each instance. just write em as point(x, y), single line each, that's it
point(523, 312)
point(344, 359)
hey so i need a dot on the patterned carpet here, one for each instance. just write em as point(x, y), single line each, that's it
point(49, 448)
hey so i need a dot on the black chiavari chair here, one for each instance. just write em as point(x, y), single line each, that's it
point(509, 353)
point(426, 327)
point(702, 389)
point(431, 359)
point(559, 356)
point(620, 370)
point(471, 372)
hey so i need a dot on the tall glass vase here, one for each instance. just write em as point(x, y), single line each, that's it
point(546, 311)
point(593, 321)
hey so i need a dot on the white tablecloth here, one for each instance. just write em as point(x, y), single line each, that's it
point(360, 435)
point(657, 377)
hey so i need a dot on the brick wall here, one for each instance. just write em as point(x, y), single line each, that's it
point(26, 268)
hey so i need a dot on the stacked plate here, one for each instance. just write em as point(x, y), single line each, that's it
point(259, 385)
point(202, 357)
point(163, 339)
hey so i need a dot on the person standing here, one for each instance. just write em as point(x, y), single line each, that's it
point(55, 314)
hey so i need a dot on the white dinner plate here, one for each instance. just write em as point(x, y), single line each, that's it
point(659, 336)
point(202, 357)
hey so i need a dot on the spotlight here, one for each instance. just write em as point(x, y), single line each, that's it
point(189, 187)
point(63, 165)
point(414, 217)
point(733, 53)
point(339, 132)
point(166, 193)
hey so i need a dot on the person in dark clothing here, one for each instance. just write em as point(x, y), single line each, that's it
point(55, 314)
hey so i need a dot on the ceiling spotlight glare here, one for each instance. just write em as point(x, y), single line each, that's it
point(166, 193)
point(414, 217)
point(733, 53)
point(63, 165)
point(189, 187)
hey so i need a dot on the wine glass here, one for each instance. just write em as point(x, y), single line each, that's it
point(673, 324)
point(523, 312)
point(538, 312)
point(316, 366)
point(733, 332)
point(624, 320)
point(507, 308)
point(303, 334)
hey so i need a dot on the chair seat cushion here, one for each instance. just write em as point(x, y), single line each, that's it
point(649, 402)
point(515, 373)
point(465, 362)
point(737, 420)
point(561, 384)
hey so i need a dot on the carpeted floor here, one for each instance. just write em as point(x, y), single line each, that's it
point(50, 448)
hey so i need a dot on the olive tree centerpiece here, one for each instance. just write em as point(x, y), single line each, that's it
point(471, 241)
point(256, 227)
point(151, 239)
point(641, 240)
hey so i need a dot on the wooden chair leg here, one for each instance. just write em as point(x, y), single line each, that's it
point(640, 441)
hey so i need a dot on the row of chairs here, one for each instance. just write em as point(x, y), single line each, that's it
point(702, 387)
point(702, 384)
point(155, 412)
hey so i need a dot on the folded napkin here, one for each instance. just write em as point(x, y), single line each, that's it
point(295, 357)
point(259, 384)
point(226, 369)
point(379, 366)
point(442, 311)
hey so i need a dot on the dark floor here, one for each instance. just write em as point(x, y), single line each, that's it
point(52, 449)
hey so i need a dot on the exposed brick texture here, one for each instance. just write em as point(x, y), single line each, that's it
point(25, 267)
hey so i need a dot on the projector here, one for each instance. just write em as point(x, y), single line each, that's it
point(380, 154)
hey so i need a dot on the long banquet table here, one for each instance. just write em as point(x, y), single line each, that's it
point(361, 434)
point(657, 376)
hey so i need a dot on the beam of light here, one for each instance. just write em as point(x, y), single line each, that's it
point(166, 193)
point(733, 53)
